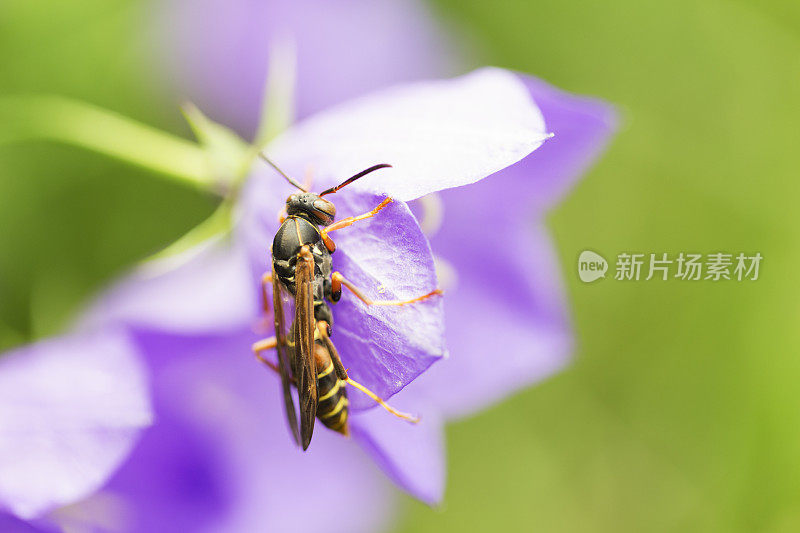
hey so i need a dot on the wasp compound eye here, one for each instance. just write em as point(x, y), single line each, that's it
point(325, 206)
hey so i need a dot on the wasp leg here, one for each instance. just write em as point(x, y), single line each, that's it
point(322, 329)
point(263, 324)
point(337, 281)
point(267, 344)
point(266, 281)
point(405, 416)
point(263, 345)
point(349, 221)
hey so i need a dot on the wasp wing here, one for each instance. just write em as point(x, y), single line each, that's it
point(303, 328)
point(283, 350)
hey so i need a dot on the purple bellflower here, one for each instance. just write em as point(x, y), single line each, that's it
point(214, 453)
point(217, 456)
point(437, 135)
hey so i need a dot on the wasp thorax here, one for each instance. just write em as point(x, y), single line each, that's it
point(310, 205)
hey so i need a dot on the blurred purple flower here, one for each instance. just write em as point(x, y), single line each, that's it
point(506, 317)
point(437, 135)
point(71, 409)
point(217, 50)
point(504, 290)
point(217, 456)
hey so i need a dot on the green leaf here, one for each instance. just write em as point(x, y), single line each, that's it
point(59, 119)
point(229, 156)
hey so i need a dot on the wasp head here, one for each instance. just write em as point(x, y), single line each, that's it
point(318, 210)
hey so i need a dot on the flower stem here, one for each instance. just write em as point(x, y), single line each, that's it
point(217, 224)
point(277, 108)
point(54, 118)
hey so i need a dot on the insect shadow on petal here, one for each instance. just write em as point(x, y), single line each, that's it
point(302, 269)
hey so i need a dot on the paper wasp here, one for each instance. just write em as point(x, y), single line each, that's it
point(302, 268)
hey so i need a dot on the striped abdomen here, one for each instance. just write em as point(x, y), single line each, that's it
point(332, 403)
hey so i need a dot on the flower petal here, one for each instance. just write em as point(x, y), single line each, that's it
point(508, 323)
point(436, 134)
point(205, 290)
point(220, 457)
point(386, 347)
point(216, 50)
point(70, 410)
point(11, 524)
point(412, 455)
point(582, 128)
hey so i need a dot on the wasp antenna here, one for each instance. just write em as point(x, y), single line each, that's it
point(281, 172)
point(351, 179)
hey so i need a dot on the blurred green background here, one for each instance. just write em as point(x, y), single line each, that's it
point(680, 412)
